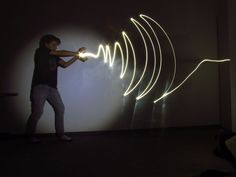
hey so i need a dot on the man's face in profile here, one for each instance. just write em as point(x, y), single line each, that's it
point(52, 45)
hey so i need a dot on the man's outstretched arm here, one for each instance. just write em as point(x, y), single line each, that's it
point(63, 53)
point(65, 64)
point(66, 53)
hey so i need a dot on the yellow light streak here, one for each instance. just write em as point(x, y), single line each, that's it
point(178, 86)
point(109, 56)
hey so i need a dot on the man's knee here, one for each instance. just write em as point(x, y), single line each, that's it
point(36, 113)
point(59, 109)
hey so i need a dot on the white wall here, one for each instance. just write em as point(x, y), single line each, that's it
point(192, 28)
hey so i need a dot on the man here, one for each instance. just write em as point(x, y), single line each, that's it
point(44, 84)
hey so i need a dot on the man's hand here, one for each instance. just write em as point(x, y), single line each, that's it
point(81, 59)
point(82, 50)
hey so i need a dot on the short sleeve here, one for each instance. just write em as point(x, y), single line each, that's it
point(42, 52)
point(58, 59)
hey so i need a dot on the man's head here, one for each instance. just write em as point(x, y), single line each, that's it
point(49, 41)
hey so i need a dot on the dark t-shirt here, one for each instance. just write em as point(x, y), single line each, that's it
point(45, 68)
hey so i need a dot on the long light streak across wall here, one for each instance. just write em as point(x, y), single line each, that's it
point(109, 57)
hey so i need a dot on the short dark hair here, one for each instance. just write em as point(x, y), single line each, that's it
point(47, 39)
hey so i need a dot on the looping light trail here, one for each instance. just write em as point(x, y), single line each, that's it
point(105, 51)
point(178, 86)
point(110, 56)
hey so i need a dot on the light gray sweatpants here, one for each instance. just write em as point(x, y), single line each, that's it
point(39, 95)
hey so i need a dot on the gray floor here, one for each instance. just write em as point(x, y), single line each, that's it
point(179, 152)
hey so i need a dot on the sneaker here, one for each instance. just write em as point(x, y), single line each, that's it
point(65, 138)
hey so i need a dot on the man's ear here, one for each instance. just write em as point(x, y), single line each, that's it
point(46, 45)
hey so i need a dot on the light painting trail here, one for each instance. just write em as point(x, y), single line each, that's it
point(178, 86)
point(110, 56)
